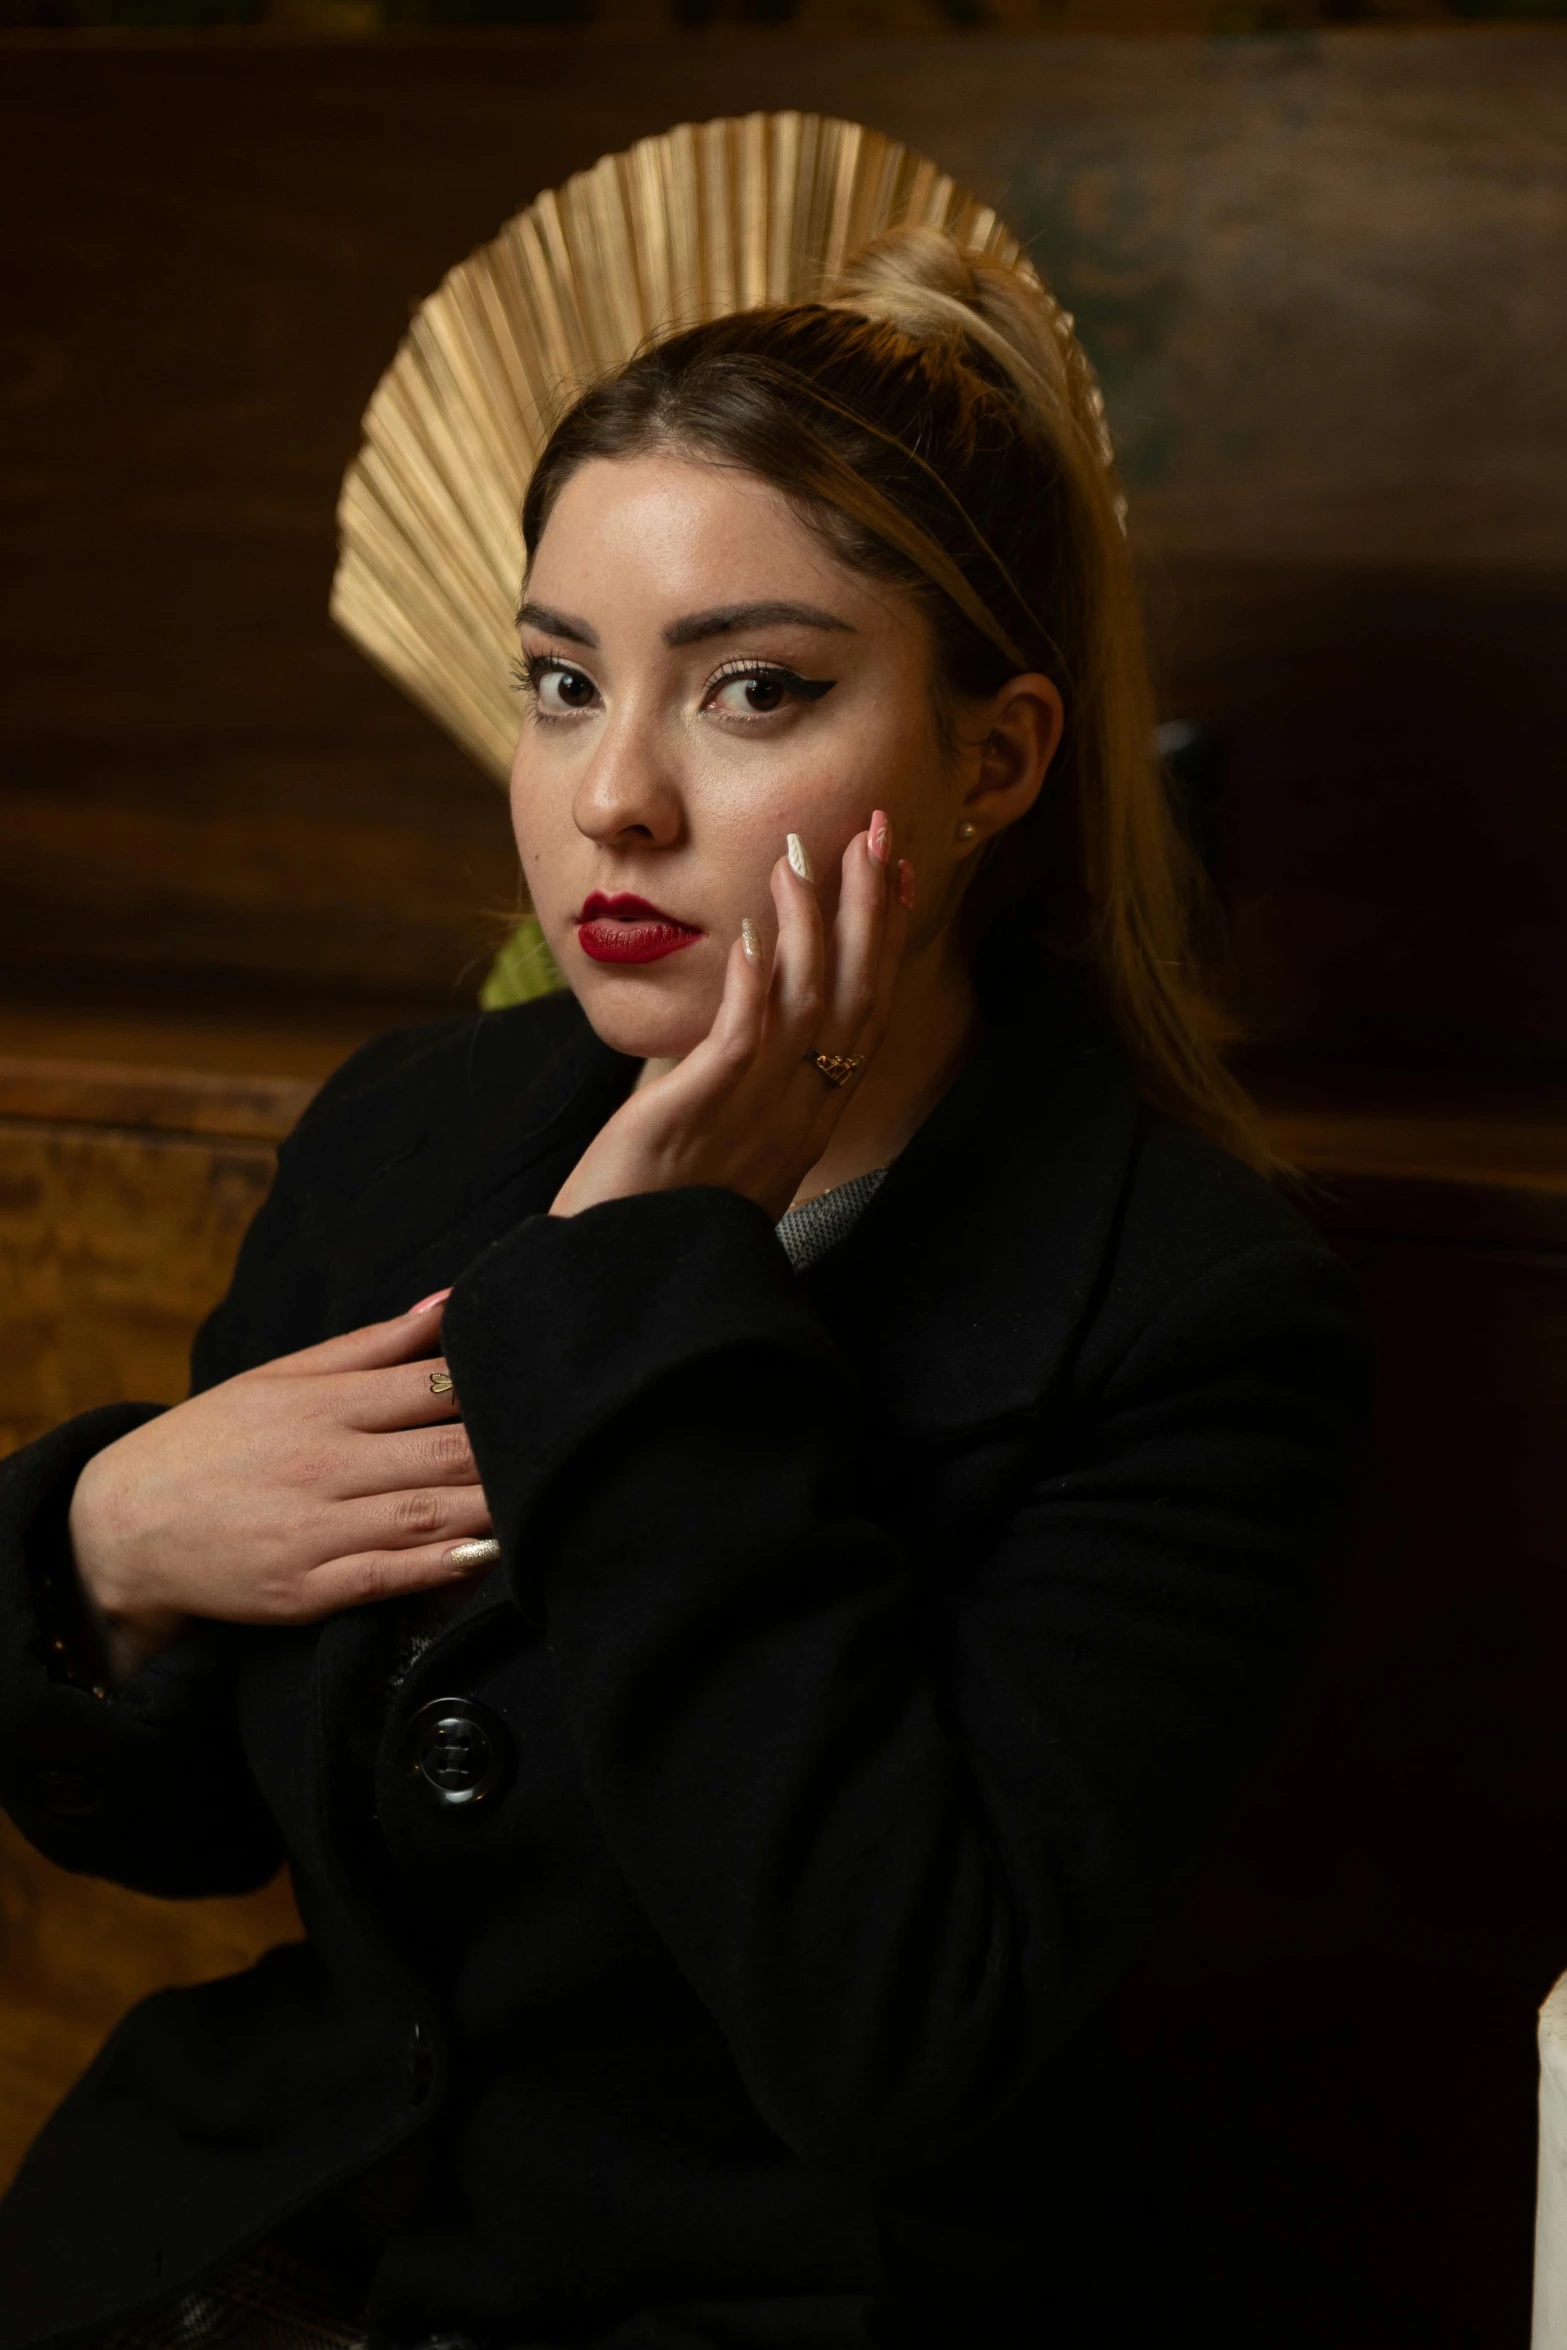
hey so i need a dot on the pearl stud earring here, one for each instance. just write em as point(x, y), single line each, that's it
point(966, 831)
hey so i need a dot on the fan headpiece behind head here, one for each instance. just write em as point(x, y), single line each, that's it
point(704, 220)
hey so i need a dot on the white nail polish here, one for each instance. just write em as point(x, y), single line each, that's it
point(751, 941)
point(799, 862)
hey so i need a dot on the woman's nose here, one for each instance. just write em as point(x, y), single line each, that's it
point(624, 796)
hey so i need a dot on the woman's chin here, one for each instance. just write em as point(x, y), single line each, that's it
point(635, 1013)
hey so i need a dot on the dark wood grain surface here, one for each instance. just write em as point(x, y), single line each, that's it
point(113, 1243)
point(1324, 281)
point(76, 1954)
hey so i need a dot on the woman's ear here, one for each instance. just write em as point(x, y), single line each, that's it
point(1023, 725)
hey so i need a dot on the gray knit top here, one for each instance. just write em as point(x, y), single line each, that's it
point(810, 1230)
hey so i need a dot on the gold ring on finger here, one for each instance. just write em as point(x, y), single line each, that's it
point(441, 1383)
point(837, 1068)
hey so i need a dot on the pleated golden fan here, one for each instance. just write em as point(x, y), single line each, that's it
point(706, 219)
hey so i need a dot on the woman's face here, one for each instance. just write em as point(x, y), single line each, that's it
point(703, 678)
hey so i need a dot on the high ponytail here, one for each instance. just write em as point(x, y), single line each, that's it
point(938, 421)
point(923, 283)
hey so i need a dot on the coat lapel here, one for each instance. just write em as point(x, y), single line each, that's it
point(959, 1294)
point(466, 1146)
point(958, 1297)
point(962, 1290)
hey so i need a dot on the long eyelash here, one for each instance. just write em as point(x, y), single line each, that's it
point(527, 670)
point(528, 674)
point(811, 689)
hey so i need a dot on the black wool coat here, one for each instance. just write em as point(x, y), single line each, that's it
point(872, 1650)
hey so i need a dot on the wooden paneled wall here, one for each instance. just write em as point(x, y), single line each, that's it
point(1351, 2001)
point(86, 1312)
point(124, 1194)
point(1323, 278)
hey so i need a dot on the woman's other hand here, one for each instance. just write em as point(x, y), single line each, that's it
point(316, 1482)
point(747, 1110)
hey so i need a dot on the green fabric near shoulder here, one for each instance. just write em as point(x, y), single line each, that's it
point(523, 969)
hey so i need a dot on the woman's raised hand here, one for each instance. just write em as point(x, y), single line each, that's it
point(316, 1482)
point(343, 1474)
point(745, 1110)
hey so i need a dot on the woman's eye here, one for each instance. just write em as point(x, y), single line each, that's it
point(561, 691)
point(757, 693)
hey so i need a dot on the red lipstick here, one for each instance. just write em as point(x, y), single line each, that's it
point(626, 929)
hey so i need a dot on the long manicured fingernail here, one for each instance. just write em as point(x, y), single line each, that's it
point(466, 1555)
point(751, 942)
point(905, 884)
point(879, 838)
point(799, 862)
point(435, 1298)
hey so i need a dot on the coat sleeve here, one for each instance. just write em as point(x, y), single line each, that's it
point(147, 1786)
point(898, 1831)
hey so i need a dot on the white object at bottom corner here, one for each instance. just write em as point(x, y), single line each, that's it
point(1550, 2213)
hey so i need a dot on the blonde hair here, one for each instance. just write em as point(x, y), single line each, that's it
point(938, 418)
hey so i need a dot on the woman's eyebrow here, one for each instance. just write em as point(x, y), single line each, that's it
point(556, 624)
point(727, 617)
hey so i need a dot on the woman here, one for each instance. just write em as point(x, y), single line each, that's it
point(711, 1906)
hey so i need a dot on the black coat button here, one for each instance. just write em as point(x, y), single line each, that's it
point(69, 1793)
point(460, 1750)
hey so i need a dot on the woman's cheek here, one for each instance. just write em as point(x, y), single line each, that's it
point(543, 845)
point(826, 796)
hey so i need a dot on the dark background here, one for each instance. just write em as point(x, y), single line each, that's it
point(357, 17)
point(1323, 280)
point(1323, 275)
